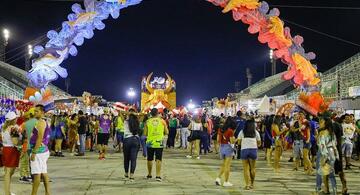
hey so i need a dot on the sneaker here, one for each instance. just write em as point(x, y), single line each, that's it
point(132, 179)
point(24, 180)
point(12, 193)
point(149, 177)
point(198, 157)
point(80, 154)
point(60, 154)
point(158, 179)
point(227, 184)
point(188, 156)
point(218, 181)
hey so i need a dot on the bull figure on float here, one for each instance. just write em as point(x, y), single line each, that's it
point(158, 94)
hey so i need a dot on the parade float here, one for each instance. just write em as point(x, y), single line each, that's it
point(158, 93)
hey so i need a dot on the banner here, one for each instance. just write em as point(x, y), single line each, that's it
point(354, 91)
point(329, 88)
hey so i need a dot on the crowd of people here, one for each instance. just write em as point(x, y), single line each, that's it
point(320, 144)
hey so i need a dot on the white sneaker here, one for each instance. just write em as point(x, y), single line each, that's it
point(188, 156)
point(227, 184)
point(218, 181)
point(12, 193)
point(198, 157)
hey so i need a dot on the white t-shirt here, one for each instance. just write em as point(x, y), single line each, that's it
point(249, 143)
point(6, 137)
point(127, 132)
point(348, 130)
point(196, 126)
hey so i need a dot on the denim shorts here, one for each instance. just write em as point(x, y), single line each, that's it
point(307, 145)
point(249, 153)
point(298, 149)
point(226, 151)
point(347, 149)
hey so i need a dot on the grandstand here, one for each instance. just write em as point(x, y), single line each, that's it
point(338, 79)
point(13, 82)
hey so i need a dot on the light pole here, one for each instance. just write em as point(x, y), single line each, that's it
point(6, 36)
point(273, 62)
point(28, 58)
point(191, 105)
point(131, 94)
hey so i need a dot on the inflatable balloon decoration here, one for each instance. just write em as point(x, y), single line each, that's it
point(80, 26)
point(82, 23)
point(271, 30)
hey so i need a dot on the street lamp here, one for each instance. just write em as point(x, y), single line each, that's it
point(28, 58)
point(273, 62)
point(30, 50)
point(271, 54)
point(131, 93)
point(6, 33)
point(191, 105)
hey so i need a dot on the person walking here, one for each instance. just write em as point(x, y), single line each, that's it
point(119, 132)
point(184, 131)
point(103, 134)
point(298, 146)
point(72, 133)
point(227, 140)
point(142, 136)
point(173, 124)
point(59, 135)
point(27, 127)
point(82, 129)
point(249, 140)
point(327, 155)
point(277, 132)
point(10, 136)
point(348, 134)
point(155, 130)
point(131, 144)
point(195, 128)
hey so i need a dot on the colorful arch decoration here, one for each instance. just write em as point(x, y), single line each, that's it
point(82, 23)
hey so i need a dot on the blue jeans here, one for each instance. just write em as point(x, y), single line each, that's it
point(82, 138)
point(143, 145)
point(184, 135)
point(131, 149)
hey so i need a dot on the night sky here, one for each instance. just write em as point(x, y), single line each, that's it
point(204, 50)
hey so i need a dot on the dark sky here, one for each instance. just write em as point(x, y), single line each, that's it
point(204, 50)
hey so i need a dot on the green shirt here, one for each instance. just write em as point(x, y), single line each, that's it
point(29, 127)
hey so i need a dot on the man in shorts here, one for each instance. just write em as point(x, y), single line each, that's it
point(39, 141)
point(155, 130)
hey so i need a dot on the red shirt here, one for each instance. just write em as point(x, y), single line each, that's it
point(225, 138)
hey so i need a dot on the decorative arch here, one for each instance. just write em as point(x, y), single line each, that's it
point(80, 25)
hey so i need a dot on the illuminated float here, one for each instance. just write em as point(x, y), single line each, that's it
point(159, 93)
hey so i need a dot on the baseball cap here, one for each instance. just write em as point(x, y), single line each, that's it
point(10, 116)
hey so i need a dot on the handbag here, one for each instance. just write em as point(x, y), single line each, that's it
point(191, 138)
point(326, 169)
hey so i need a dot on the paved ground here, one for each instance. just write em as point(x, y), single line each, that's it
point(89, 176)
